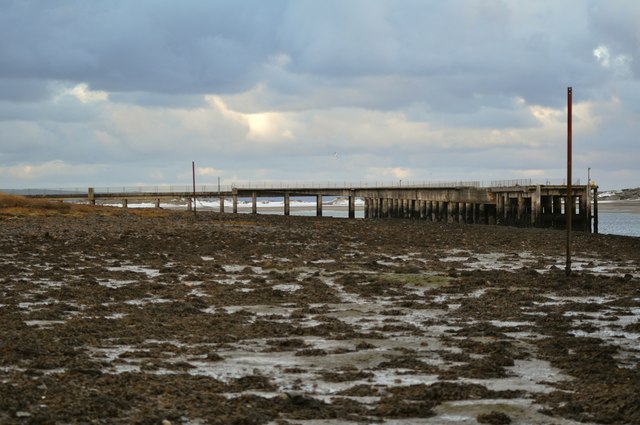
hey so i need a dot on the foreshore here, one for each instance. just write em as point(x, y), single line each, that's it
point(149, 316)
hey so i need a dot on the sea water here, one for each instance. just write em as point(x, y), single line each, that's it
point(615, 218)
point(619, 218)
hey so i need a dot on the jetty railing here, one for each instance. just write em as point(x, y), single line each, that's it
point(228, 187)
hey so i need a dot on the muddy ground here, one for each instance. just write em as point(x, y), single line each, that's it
point(272, 320)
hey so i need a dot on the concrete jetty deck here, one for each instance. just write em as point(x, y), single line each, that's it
point(515, 204)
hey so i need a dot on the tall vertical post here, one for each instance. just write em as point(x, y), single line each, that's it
point(569, 204)
point(588, 196)
point(221, 198)
point(193, 174)
point(595, 209)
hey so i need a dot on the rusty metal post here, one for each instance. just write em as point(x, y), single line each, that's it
point(588, 196)
point(595, 209)
point(569, 204)
point(221, 200)
point(193, 175)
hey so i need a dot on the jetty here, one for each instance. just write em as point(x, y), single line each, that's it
point(513, 202)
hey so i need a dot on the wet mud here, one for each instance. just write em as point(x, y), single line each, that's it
point(271, 320)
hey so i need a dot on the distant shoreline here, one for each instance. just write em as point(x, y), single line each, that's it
point(620, 206)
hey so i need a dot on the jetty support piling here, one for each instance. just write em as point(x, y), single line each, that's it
point(319, 205)
point(91, 198)
point(352, 205)
point(452, 212)
point(254, 202)
point(584, 212)
point(221, 200)
point(234, 195)
point(287, 204)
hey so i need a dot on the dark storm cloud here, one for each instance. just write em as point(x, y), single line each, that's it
point(406, 85)
point(453, 51)
point(158, 46)
point(24, 90)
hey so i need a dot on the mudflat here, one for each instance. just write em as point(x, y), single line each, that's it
point(168, 317)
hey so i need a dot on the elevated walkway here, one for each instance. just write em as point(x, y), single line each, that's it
point(515, 203)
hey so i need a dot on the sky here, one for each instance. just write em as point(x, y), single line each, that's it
point(112, 93)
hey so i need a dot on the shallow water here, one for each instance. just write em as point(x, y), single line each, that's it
point(619, 223)
point(619, 218)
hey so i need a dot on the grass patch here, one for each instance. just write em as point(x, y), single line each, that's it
point(14, 206)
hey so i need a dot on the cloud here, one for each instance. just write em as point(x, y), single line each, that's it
point(270, 90)
point(158, 46)
point(37, 172)
point(619, 63)
point(208, 171)
point(393, 173)
point(85, 95)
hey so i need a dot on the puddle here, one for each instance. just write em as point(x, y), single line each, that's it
point(236, 268)
point(43, 323)
point(149, 272)
point(149, 300)
point(287, 287)
point(115, 283)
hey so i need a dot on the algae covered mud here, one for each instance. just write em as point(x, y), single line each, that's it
point(171, 318)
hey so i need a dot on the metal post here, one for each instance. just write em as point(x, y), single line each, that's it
point(221, 200)
point(193, 174)
point(588, 195)
point(595, 209)
point(569, 204)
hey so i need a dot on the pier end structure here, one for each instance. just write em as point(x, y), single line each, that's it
point(524, 206)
